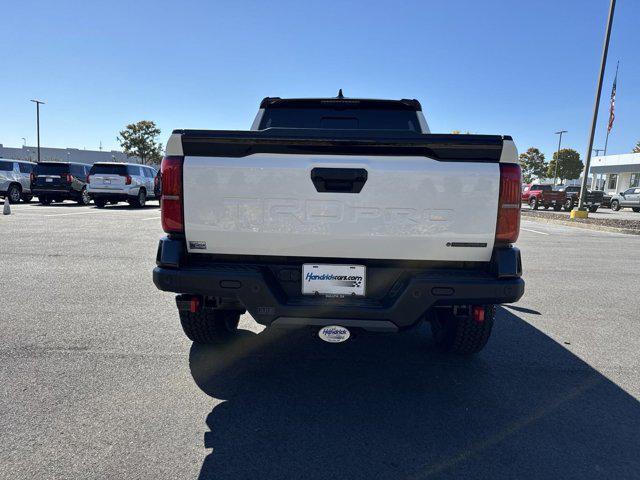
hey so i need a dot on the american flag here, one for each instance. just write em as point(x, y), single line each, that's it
point(612, 115)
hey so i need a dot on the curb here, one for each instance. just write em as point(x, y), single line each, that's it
point(584, 225)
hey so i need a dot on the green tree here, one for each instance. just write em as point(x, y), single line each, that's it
point(569, 167)
point(532, 164)
point(636, 149)
point(139, 140)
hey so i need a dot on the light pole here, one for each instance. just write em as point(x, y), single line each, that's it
point(24, 142)
point(605, 49)
point(555, 175)
point(38, 102)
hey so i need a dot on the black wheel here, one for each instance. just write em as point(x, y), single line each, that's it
point(533, 203)
point(84, 197)
point(99, 202)
point(13, 193)
point(593, 208)
point(26, 198)
point(461, 334)
point(209, 326)
point(635, 209)
point(557, 207)
point(546, 207)
point(615, 205)
point(44, 200)
point(140, 200)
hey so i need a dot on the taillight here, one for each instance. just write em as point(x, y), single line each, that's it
point(32, 177)
point(69, 178)
point(127, 180)
point(508, 223)
point(171, 206)
point(88, 178)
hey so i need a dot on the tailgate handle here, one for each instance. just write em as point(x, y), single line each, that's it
point(339, 180)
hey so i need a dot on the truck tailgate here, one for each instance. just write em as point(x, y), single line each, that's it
point(410, 207)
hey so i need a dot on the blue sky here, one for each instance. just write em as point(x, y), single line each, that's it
point(525, 69)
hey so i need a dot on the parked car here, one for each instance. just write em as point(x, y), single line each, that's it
point(543, 196)
point(59, 181)
point(629, 198)
point(157, 186)
point(15, 182)
point(349, 214)
point(592, 200)
point(110, 182)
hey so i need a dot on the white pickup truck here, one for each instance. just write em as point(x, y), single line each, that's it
point(340, 214)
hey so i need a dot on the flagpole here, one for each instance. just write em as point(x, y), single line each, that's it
point(580, 211)
point(606, 141)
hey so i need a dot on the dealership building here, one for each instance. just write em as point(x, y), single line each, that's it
point(615, 173)
point(64, 155)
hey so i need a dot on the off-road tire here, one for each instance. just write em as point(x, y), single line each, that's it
point(461, 335)
point(209, 326)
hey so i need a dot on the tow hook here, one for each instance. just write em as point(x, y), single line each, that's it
point(477, 312)
point(189, 303)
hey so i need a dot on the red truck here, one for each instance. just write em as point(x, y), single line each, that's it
point(543, 196)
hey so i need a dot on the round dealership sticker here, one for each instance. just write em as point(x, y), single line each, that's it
point(334, 334)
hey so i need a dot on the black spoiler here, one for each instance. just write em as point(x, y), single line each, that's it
point(446, 147)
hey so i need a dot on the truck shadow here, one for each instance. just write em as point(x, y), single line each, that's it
point(393, 407)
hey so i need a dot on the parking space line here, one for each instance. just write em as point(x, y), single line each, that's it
point(534, 231)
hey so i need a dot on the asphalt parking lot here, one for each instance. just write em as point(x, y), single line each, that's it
point(98, 380)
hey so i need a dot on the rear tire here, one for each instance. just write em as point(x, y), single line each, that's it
point(44, 200)
point(209, 326)
point(593, 209)
point(13, 194)
point(557, 207)
point(27, 198)
point(533, 203)
point(84, 198)
point(461, 334)
point(140, 200)
point(615, 205)
point(636, 209)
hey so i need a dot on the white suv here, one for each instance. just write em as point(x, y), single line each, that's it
point(109, 182)
point(15, 180)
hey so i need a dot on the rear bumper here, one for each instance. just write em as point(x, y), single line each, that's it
point(407, 295)
point(112, 196)
point(55, 192)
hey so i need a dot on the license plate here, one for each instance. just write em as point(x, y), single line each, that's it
point(339, 280)
point(107, 181)
point(48, 179)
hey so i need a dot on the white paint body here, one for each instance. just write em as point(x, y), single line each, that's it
point(410, 208)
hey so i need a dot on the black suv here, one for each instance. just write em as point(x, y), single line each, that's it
point(58, 181)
